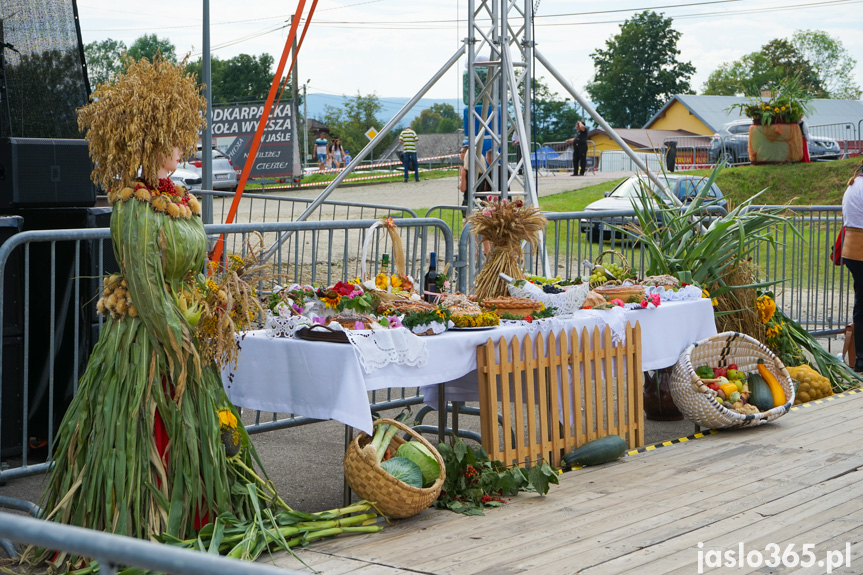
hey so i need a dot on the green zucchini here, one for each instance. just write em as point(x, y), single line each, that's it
point(598, 451)
point(759, 392)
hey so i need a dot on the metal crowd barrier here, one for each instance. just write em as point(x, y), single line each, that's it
point(58, 277)
point(619, 161)
point(845, 133)
point(58, 271)
point(113, 551)
point(559, 156)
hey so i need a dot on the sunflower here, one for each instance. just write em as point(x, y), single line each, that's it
point(331, 299)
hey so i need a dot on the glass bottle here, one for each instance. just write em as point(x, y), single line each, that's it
point(430, 282)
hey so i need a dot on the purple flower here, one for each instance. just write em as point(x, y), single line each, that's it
point(359, 325)
point(318, 320)
point(297, 308)
point(394, 321)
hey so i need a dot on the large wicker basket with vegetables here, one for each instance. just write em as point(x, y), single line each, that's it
point(391, 496)
point(699, 404)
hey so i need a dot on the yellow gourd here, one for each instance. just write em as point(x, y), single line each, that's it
point(773, 384)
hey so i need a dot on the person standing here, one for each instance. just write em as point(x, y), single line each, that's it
point(338, 154)
point(408, 139)
point(579, 149)
point(321, 150)
point(852, 254)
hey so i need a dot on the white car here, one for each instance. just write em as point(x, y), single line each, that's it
point(224, 175)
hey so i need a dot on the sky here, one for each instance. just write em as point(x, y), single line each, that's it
point(392, 48)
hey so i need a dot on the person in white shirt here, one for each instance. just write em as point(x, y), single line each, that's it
point(852, 254)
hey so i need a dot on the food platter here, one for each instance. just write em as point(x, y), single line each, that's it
point(474, 328)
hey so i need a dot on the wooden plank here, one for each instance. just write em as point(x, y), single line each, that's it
point(530, 367)
point(608, 382)
point(638, 385)
point(518, 400)
point(546, 432)
point(589, 383)
point(621, 380)
point(506, 412)
point(559, 433)
point(573, 391)
point(487, 378)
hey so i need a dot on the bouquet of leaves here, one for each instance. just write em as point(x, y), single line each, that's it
point(474, 482)
point(505, 224)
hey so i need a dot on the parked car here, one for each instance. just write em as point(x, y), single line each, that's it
point(685, 188)
point(224, 175)
point(736, 150)
point(187, 178)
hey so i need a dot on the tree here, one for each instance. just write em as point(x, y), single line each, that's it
point(553, 118)
point(243, 78)
point(149, 44)
point(440, 118)
point(104, 60)
point(638, 71)
point(829, 61)
point(351, 122)
point(775, 63)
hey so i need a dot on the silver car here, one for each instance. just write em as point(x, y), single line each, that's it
point(224, 175)
point(187, 178)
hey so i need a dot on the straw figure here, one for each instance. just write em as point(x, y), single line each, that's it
point(505, 225)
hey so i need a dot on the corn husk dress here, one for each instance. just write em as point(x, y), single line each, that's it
point(139, 450)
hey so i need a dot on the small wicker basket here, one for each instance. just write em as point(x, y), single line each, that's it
point(611, 257)
point(392, 497)
point(721, 350)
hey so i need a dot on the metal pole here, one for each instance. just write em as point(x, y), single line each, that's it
point(608, 129)
point(365, 151)
point(207, 136)
point(295, 90)
point(305, 127)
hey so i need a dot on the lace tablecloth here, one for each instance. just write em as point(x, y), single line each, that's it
point(379, 348)
point(327, 381)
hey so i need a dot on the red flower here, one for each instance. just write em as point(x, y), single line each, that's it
point(344, 289)
point(528, 319)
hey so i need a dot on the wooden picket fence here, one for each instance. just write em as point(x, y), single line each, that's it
point(556, 393)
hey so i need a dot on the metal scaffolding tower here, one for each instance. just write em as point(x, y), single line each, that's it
point(498, 104)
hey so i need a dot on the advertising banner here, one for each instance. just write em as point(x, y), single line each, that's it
point(277, 155)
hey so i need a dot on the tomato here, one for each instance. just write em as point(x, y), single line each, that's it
point(733, 366)
point(720, 372)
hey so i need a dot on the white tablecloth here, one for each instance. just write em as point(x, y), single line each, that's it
point(325, 380)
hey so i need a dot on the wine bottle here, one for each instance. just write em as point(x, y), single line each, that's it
point(430, 281)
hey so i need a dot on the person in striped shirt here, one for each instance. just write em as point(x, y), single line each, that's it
point(408, 139)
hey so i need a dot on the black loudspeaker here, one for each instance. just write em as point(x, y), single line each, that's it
point(44, 172)
point(12, 375)
point(94, 260)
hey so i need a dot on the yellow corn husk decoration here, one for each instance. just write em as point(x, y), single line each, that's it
point(504, 224)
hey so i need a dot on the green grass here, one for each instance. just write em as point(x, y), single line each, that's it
point(816, 183)
point(576, 200)
point(397, 176)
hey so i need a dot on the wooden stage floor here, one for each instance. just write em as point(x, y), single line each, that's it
point(797, 480)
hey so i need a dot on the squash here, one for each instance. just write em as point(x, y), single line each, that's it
point(759, 392)
point(728, 389)
point(775, 389)
point(598, 451)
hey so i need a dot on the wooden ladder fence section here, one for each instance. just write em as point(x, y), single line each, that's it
point(558, 394)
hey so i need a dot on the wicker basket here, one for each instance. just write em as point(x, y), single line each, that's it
point(721, 350)
point(608, 257)
point(392, 497)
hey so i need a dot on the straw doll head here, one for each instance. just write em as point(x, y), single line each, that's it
point(136, 122)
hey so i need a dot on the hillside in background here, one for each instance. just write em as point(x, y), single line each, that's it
point(316, 104)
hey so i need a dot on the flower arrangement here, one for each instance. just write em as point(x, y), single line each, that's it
point(505, 224)
point(786, 105)
point(778, 335)
point(651, 301)
point(419, 318)
point(292, 300)
point(346, 296)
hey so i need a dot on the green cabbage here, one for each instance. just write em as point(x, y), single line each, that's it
point(404, 470)
point(420, 454)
